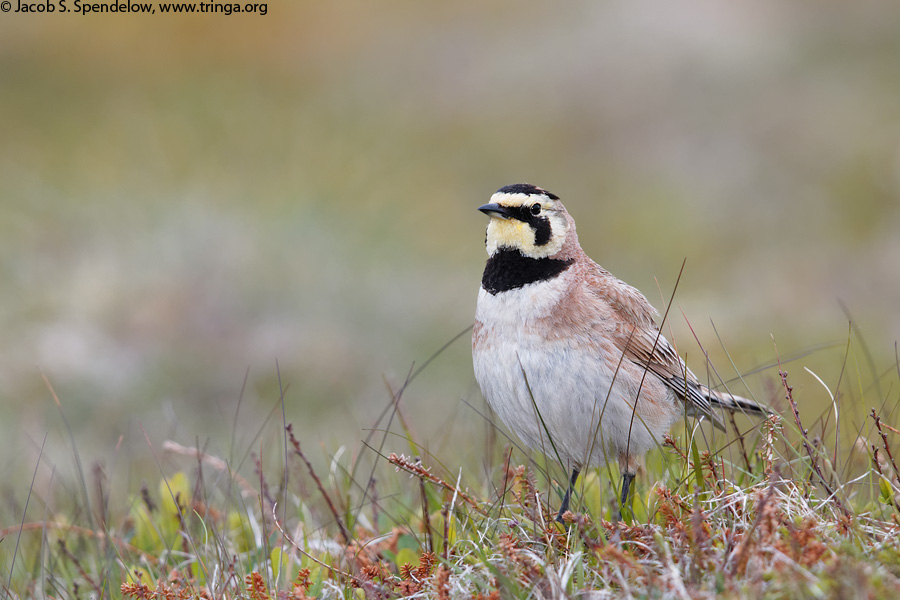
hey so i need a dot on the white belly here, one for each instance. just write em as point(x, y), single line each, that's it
point(556, 388)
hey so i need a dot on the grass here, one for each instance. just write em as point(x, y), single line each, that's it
point(184, 196)
point(784, 508)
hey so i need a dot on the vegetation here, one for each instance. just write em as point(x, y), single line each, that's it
point(184, 198)
point(777, 511)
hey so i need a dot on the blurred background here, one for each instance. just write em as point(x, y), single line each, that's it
point(189, 201)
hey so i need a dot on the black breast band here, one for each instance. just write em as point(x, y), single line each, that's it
point(509, 269)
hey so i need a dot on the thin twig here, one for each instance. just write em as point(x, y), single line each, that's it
point(426, 520)
point(884, 441)
point(445, 513)
point(401, 462)
point(877, 464)
point(740, 437)
point(74, 559)
point(327, 567)
point(505, 483)
point(647, 367)
point(804, 433)
point(296, 444)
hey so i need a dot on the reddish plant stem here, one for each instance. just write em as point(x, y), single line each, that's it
point(296, 444)
point(809, 451)
point(884, 441)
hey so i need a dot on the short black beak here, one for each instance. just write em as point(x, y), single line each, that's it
point(495, 210)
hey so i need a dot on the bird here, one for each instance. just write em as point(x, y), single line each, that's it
point(570, 357)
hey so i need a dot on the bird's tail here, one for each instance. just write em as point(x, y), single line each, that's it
point(730, 402)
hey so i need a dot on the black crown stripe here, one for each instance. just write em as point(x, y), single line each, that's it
point(526, 188)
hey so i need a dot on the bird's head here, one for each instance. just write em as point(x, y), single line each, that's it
point(526, 218)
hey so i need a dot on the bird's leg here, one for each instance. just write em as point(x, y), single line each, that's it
point(627, 478)
point(629, 467)
point(565, 503)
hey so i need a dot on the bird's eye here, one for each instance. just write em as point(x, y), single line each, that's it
point(535, 209)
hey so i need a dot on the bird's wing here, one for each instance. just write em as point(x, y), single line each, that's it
point(649, 349)
point(640, 341)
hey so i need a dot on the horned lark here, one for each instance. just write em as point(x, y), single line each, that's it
point(569, 356)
